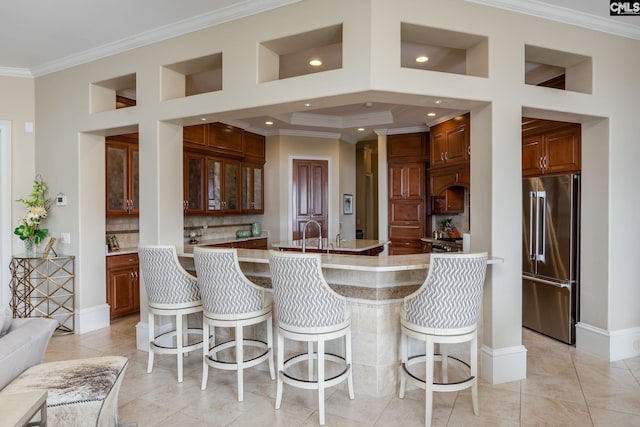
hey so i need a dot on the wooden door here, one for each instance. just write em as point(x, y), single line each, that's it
point(310, 196)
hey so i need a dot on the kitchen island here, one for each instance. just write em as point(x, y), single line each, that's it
point(374, 287)
point(345, 247)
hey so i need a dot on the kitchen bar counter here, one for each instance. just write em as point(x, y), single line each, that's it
point(354, 247)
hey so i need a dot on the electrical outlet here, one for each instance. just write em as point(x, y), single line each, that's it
point(66, 238)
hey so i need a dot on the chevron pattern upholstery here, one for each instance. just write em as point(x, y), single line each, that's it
point(166, 282)
point(450, 297)
point(302, 296)
point(223, 287)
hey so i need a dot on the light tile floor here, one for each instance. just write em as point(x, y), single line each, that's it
point(564, 387)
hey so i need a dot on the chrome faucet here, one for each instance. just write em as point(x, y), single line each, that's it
point(304, 234)
point(339, 237)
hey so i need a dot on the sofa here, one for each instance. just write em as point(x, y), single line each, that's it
point(82, 392)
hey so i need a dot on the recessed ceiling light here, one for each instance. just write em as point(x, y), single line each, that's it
point(368, 104)
point(307, 105)
point(431, 114)
point(438, 101)
point(315, 63)
point(360, 129)
point(422, 58)
point(204, 119)
point(268, 123)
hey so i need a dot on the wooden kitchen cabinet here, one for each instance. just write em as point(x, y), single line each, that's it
point(122, 175)
point(260, 243)
point(194, 183)
point(123, 285)
point(252, 191)
point(450, 201)
point(406, 181)
point(450, 142)
point(550, 147)
point(253, 147)
point(223, 185)
point(407, 217)
point(225, 139)
point(413, 146)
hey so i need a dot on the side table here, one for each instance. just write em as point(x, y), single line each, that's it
point(19, 409)
point(44, 287)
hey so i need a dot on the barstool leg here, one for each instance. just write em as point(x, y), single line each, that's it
point(403, 358)
point(152, 337)
point(310, 360)
point(280, 369)
point(428, 386)
point(240, 360)
point(321, 380)
point(270, 346)
point(444, 356)
point(205, 354)
point(474, 372)
point(348, 359)
point(179, 345)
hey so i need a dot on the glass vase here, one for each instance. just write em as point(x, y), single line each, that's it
point(29, 248)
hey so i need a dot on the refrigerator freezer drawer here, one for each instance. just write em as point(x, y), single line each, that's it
point(547, 308)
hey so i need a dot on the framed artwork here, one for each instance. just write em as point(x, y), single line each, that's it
point(347, 204)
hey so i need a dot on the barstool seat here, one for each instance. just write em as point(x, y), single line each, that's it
point(444, 310)
point(171, 291)
point(230, 300)
point(307, 310)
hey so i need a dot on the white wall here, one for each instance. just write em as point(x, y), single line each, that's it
point(371, 72)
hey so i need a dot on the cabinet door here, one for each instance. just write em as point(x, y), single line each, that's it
point(408, 145)
point(225, 138)
point(253, 147)
point(231, 197)
point(116, 179)
point(134, 181)
point(252, 188)
point(437, 146)
point(122, 291)
point(532, 152)
point(457, 145)
point(562, 150)
point(195, 135)
point(194, 168)
point(414, 180)
point(214, 184)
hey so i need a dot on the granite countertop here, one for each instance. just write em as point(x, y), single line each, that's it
point(453, 244)
point(349, 246)
point(221, 240)
point(123, 251)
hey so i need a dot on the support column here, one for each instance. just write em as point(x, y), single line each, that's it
point(383, 196)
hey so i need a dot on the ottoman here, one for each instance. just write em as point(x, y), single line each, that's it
point(82, 392)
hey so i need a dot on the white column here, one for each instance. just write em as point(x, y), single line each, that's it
point(383, 195)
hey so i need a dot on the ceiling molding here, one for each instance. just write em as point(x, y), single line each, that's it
point(15, 72)
point(565, 15)
point(185, 26)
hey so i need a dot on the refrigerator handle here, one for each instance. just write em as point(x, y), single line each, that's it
point(532, 195)
point(542, 204)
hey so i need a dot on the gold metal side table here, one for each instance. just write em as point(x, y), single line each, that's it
point(44, 287)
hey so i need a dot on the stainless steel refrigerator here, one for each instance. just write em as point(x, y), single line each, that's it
point(550, 255)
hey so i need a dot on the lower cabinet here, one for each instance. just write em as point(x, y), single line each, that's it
point(123, 285)
point(260, 243)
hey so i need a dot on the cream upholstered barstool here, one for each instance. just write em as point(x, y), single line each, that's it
point(308, 310)
point(171, 291)
point(444, 310)
point(230, 300)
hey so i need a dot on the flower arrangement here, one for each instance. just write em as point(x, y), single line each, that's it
point(29, 227)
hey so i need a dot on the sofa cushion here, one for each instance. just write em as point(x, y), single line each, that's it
point(23, 346)
point(6, 316)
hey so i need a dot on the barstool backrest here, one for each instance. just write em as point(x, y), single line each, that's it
point(302, 297)
point(165, 281)
point(451, 294)
point(223, 286)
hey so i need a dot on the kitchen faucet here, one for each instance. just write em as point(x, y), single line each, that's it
point(304, 234)
point(339, 237)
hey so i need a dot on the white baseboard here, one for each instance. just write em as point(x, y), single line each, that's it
point(609, 345)
point(503, 364)
point(91, 319)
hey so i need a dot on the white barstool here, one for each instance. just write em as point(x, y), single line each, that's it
point(443, 310)
point(171, 291)
point(308, 310)
point(230, 300)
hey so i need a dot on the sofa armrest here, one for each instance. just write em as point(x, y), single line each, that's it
point(23, 346)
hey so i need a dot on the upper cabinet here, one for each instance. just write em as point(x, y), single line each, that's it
point(412, 146)
point(122, 177)
point(449, 142)
point(223, 170)
point(550, 147)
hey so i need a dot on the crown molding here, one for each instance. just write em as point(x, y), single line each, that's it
point(15, 72)
point(185, 26)
point(565, 16)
